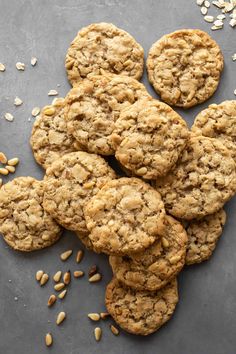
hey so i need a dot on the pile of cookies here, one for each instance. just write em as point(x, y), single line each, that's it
point(167, 209)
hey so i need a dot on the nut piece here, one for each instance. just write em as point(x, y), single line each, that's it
point(20, 66)
point(33, 61)
point(65, 255)
point(97, 333)
point(79, 256)
point(48, 339)
point(174, 259)
point(39, 275)
point(93, 270)
point(17, 101)
point(2, 67)
point(165, 242)
point(59, 286)
point(3, 171)
point(3, 158)
point(9, 117)
point(52, 299)
point(60, 318)
point(35, 111)
point(13, 162)
point(67, 277)
point(44, 279)
point(52, 93)
point(114, 330)
point(62, 294)
point(104, 315)
point(10, 168)
point(95, 278)
point(57, 276)
point(94, 316)
point(78, 273)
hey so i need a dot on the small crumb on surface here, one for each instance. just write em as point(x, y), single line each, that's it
point(52, 93)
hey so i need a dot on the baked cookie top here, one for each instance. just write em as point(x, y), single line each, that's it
point(218, 121)
point(184, 67)
point(24, 224)
point(103, 47)
point(149, 136)
point(203, 236)
point(154, 268)
point(49, 138)
point(124, 217)
point(141, 312)
point(95, 104)
point(70, 182)
point(201, 182)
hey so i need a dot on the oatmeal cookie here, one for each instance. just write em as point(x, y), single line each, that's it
point(141, 312)
point(203, 180)
point(184, 67)
point(24, 224)
point(161, 262)
point(70, 182)
point(124, 217)
point(102, 47)
point(94, 105)
point(149, 138)
point(49, 138)
point(203, 236)
point(218, 121)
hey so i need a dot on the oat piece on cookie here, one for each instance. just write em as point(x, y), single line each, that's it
point(203, 235)
point(149, 137)
point(218, 121)
point(102, 47)
point(49, 138)
point(95, 104)
point(161, 262)
point(202, 181)
point(70, 182)
point(184, 67)
point(124, 217)
point(24, 224)
point(141, 312)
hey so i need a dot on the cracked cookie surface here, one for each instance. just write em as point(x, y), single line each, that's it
point(94, 105)
point(49, 138)
point(70, 182)
point(161, 262)
point(202, 181)
point(141, 312)
point(218, 121)
point(149, 136)
point(203, 236)
point(102, 47)
point(24, 224)
point(184, 67)
point(124, 217)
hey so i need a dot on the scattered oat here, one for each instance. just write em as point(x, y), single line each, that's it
point(204, 10)
point(78, 273)
point(3, 171)
point(232, 22)
point(218, 23)
point(44, 279)
point(94, 316)
point(104, 315)
point(11, 169)
point(35, 111)
point(60, 318)
point(17, 101)
point(48, 339)
point(9, 117)
point(20, 66)
point(200, 2)
point(3, 158)
point(218, 4)
point(235, 92)
point(97, 333)
point(33, 61)
point(2, 67)
point(93, 270)
point(62, 294)
point(59, 286)
point(207, 4)
point(220, 17)
point(114, 330)
point(215, 28)
point(57, 276)
point(52, 299)
point(67, 277)
point(79, 256)
point(95, 278)
point(209, 19)
point(13, 162)
point(52, 93)
point(65, 255)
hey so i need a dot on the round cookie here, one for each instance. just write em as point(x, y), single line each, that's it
point(203, 180)
point(124, 217)
point(102, 47)
point(149, 137)
point(24, 224)
point(49, 138)
point(184, 67)
point(203, 236)
point(218, 121)
point(161, 262)
point(95, 104)
point(141, 312)
point(70, 182)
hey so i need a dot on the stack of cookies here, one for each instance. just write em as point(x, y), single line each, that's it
point(167, 209)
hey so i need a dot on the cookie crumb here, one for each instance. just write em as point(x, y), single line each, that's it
point(33, 61)
point(9, 117)
point(18, 101)
point(35, 111)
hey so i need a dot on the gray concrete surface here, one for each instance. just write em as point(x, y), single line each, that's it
point(204, 321)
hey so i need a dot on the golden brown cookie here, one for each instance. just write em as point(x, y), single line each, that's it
point(153, 269)
point(203, 180)
point(203, 235)
point(70, 182)
point(24, 224)
point(149, 138)
point(184, 67)
point(95, 104)
point(124, 217)
point(102, 47)
point(218, 121)
point(141, 312)
point(49, 138)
